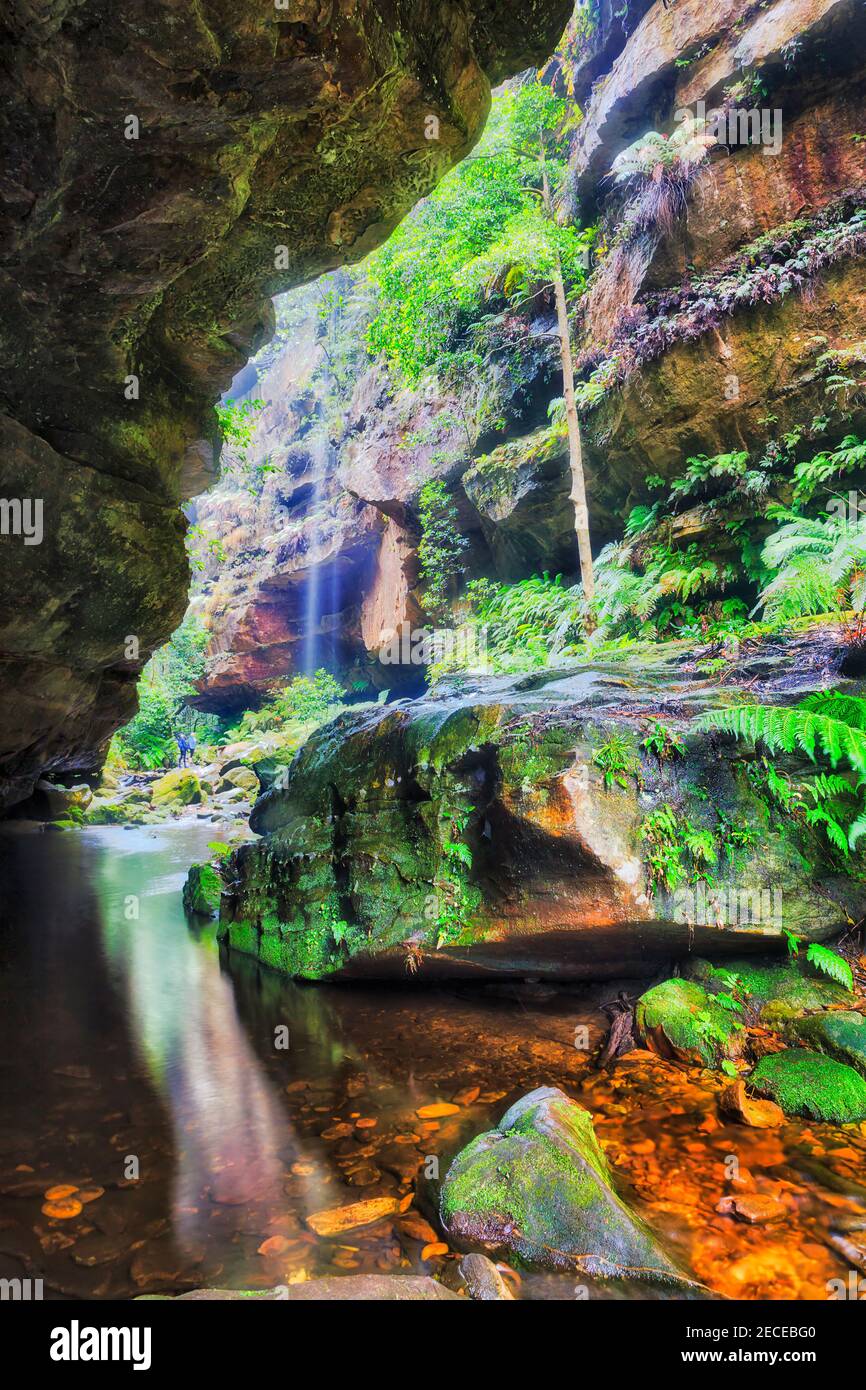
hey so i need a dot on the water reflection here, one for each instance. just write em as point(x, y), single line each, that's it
point(229, 1131)
point(123, 1032)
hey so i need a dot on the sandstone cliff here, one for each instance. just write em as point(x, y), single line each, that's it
point(168, 169)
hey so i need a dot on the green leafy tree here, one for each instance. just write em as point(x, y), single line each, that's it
point(441, 546)
point(166, 682)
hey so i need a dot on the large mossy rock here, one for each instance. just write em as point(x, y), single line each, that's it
point(779, 991)
point(680, 1019)
point(202, 890)
point(471, 833)
point(177, 789)
point(539, 1188)
point(840, 1033)
point(813, 1085)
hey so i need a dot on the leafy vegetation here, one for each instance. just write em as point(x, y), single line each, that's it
point(441, 547)
point(658, 170)
point(456, 896)
point(479, 241)
point(304, 701)
point(617, 760)
point(675, 849)
point(147, 741)
point(829, 729)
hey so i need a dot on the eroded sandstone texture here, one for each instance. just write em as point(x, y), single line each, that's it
point(473, 833)
point(152, 257)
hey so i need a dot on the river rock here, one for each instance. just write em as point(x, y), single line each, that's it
point(840, 1033)
point(552, 876)
point(811, 1084)
point(680, 1019)
point(539, 1187)
point(177, 788)
point(242, 777)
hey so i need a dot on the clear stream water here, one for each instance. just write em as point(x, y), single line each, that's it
point(143, 1069)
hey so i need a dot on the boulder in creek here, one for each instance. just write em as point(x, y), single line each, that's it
point(813, 1085)
point(679, 1019)
point(177, 788)
point(539, 1188)
point(840, 1033)
point(51, 802)
point(242, 777)
point(471, 833)
point(202, 890)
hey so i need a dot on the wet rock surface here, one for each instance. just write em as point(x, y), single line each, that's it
point(356, 873)
point(539, 1187)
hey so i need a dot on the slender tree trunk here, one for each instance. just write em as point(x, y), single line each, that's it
point(575, 447)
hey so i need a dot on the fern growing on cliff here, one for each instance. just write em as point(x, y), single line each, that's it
point(828, 726)
point(796, 728)
point(661, 169)
point(818, 565)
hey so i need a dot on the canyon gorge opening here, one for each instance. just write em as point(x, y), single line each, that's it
point(432, 717)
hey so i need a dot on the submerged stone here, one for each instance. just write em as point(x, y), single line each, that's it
point(812, 1084)
point(539, 1187)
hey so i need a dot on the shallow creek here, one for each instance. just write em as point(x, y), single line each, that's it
point(129, 1046)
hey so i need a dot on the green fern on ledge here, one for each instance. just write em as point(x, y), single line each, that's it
point(830, 964)
point(827, 725)
point(804, 728)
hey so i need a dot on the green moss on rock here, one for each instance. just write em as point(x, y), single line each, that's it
point(680, 1018)
point(781, 989)
point(841, 1034)
point(812, 1084)
point(202, 890)
point(177, 788)
point(539, 1187)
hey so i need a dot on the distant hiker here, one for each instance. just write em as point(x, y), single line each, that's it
point(182, 749)
point(190, 745)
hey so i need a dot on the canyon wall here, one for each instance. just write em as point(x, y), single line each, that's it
point(168, 169)
point(704, 335)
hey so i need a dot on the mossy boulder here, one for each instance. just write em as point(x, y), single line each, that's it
point(779, 990)
point(242, 777)
point(471, 832)
point(840, 1033)
point(680, 1019)
point(113, 811)
point(50, 802)
point(813, 1085)
point(177, 788)
point(202, 890)
point(539, 1188)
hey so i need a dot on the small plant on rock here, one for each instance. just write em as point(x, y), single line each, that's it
point(660, 170)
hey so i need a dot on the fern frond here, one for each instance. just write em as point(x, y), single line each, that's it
point(792, 729)
point(831, 964)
